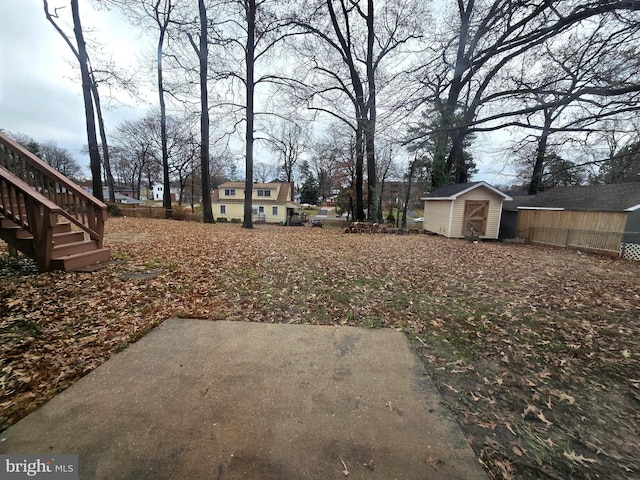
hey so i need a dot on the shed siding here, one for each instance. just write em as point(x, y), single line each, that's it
point(436, 216)
point(493, 217)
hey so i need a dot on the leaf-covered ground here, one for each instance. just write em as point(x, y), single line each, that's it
point(535, 350)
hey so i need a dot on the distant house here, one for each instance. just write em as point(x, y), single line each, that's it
point(124, 199)
point(464, 210)
point(604, 218)
point(271, 202)
point(119, 197)
point(396, 192)
point(157, 192)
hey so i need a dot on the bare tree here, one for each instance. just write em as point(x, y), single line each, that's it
point(356, 44)
point(139, 152)
point(487, 40)
point(289, 140)
point(60, 159)
point(202, 50)
point(88, 86)
point(264, 172)
point(254, 28)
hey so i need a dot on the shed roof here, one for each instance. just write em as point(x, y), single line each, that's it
point(453, 191)
point(614, 197)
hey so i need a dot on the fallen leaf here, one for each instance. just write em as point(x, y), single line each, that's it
point(542, 418)
point(433, 462)
point(369, 464)
point(571, 455)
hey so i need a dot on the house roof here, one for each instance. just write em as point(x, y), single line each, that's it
point(453, 191)
point(613, 197)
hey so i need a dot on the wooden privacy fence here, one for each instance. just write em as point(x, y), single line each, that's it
point(606, 242)
point(602, 232)
point(142, 211)
point(145, 211)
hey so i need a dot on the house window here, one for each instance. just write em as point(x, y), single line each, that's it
point(274, 211)
point(229, 192)
point(264, 193)
point(223, 209)
point(254, 211)
point(261, 210)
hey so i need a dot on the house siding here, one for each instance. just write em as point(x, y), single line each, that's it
point(236, 210)
point(436, 216)
point(234, 204)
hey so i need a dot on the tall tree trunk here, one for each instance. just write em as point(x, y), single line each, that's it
point(370, 125)
point(92, 140)
point(541, 152)
point(456, 157)
point(407, 196)
point(359, 213)
point(162, 19)
point(138, 186)
point(455, 163)
point(203, 54)
point(250, 8)
point(103, 138)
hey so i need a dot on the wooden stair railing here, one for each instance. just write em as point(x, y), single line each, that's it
point(32, 213)
point(33, 196)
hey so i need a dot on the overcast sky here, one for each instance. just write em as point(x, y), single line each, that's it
point(40, 91)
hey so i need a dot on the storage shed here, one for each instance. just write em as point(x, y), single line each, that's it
point(603, 218)
point(464, 210)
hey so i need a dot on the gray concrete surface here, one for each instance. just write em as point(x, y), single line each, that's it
point(198, 399)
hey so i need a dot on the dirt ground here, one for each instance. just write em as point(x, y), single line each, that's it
point(535, 349)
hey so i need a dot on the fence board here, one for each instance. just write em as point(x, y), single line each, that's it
point(601, 231)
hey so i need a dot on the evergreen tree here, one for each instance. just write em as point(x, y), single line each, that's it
point(309, 192)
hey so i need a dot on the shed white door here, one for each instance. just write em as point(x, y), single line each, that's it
point(475, 217)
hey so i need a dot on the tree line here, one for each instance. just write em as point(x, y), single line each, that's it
point(341, 90)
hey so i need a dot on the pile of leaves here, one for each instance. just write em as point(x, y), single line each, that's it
point(535, 350)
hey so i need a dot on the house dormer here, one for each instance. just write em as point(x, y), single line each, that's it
point(270, 202)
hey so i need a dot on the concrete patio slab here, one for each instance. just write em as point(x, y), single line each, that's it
point(198, 399)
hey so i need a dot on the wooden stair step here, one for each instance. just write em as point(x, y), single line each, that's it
point(23, 234)
point(73, 248)
point(79, 260)
point(67, 237)
point(62, 227)
point(8, 224)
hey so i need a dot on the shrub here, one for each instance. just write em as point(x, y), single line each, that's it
point(390, 217)
point(221, 220)
point(113, 210)
point(182, 212)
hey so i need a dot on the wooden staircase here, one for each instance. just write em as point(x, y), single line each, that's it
point(45, 215)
